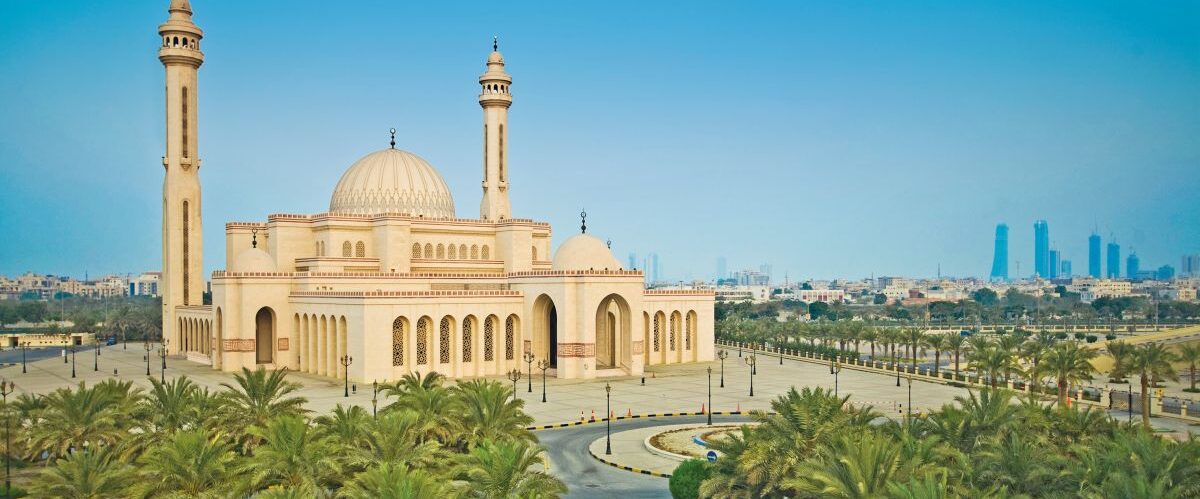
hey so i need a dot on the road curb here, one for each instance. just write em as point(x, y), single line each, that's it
point(635, 416)
point(629, 468)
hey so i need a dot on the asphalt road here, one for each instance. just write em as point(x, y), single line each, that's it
point(587, 478)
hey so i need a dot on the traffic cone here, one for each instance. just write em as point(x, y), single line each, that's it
point(629, 413)
point(581, 418)
point(610, 415)
point(702, 409)
point(739, 408)
point(593, 415)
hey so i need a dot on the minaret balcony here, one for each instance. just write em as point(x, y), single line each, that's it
point(180, 55)
point(487, 100)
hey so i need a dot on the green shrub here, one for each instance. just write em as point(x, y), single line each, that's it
point(1091, 338)
point(1079, 336)
point(685, 480)
point(1110, 336)
point(1060, 335)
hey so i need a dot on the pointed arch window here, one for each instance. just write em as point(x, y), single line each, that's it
point(346, 249)
point(184, 119)
point(467, 329)
point(186, 254)
point(360, 250)
point(489, 339)
point(423, 327)
point(398, 341)
point(416, 251)
point(509, 340)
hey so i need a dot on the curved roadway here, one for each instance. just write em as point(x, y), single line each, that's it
point(586, 477)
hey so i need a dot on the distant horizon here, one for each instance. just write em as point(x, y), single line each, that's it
point(825, 139)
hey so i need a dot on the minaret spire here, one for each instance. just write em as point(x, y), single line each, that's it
point(182, 282)
point(495, 99)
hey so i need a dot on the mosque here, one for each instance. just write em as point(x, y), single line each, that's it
point(389, 281)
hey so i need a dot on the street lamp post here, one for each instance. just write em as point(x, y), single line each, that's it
point(543, 365)
point(709, 396)
point(162, 353)
point(146, 344)
point(908, 414)
point(6, 388)
point(374, 398)
point(345, 361)
point(722, 355)
point(72, 349)
point(66, 342)
point(24, 348)
point(515, 376)
point(96, 366)
point(607, 420)
point(751, 360)
point(837, 369)
point(1129, 405)
point(528, 356)
point(779, 347)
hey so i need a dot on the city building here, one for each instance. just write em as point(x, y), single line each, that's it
point(1094, 255)
point(1055, 263)
point(722, 271)
point(389, 281)
point(1041, 249)
point(1114, 261)
point(741, 293)
point(145, 284)
point(1065, 273)
point(1165, 273)
point(1091, 289)
point(1132, 265)
point(1000, 254)
point(1189, 265)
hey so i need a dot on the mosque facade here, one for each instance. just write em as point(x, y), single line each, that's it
point(389, 281)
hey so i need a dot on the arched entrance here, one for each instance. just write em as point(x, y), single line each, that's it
point(613, 333)
point(264, 335)
point(545, 330)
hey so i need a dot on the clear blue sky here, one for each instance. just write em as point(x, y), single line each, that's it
point(830, 139)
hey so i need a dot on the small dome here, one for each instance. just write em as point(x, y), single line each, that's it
point(254, 260)
point(392, 181)
point(495, 56)
point(584, 252)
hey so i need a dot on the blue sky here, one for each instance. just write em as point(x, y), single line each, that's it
point(830, 139)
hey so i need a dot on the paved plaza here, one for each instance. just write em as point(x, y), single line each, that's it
point(677, 388)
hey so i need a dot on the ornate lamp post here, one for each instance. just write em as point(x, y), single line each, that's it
point(709, 411)
point(543, 365)
point(6, 388)
point(72, 349)
point(779, 347)
point(607, 420)
point(66, 341)
point(24, 348)
point(146, 344)
point(528, 356)
point(836, 367)
point(162, 353)
point(515, 376)
point(96, 366)
point(722, 354)
point(909, 413)
point(374, 398)
point(345, 361)
point(751, 360)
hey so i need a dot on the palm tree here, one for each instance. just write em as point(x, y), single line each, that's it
point(171, 404)
point(292, 454)
point(394, 481)
point(488, 411)
point(345, 425)
point(871, 335)
point(938, 343)
point(1121, 354)
point(190, 463)
point(724, 479)
point(1020, 465)
point(259, 396)
point(956, 343)
point(426, 396)
point(88, 474)
point(73, 419)
point(857, 465)
point(1069, 363)
point(914, 340)
point(503, 470)
point(1152, 362)
point(396, 437)
point(1190, 353)
point(993, 362)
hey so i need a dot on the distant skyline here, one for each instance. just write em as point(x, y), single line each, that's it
point(827, 139)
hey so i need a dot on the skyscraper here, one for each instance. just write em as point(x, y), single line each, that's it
point(1094, 255)
point(1000, 255)
point(1041, 248)
point(1054, 264)
point(1066, 270)
point(1132, 265)
point(1189, 265)
point(1114, 261)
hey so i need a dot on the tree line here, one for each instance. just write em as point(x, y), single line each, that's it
point(254, 437)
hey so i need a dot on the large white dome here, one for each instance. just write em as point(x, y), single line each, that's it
point(584, 252)
point(392, 181)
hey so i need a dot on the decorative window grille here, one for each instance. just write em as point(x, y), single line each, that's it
point(657, 332)
point(486, 253)
point(398, 342)
point(444, 341)
point(416, 250)
point(508, 334)
point(489, 342)
point(423, 341)
point(687, 334)
point(468, 324)
point(474, 252)
point(674, 332)
point(441, 251)
point(452, 252)
point(462, 252)
point(428, 250)
point(346, 249)
point(360, 250)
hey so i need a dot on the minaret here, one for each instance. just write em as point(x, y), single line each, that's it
point(495, 98)
point(182, 281)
